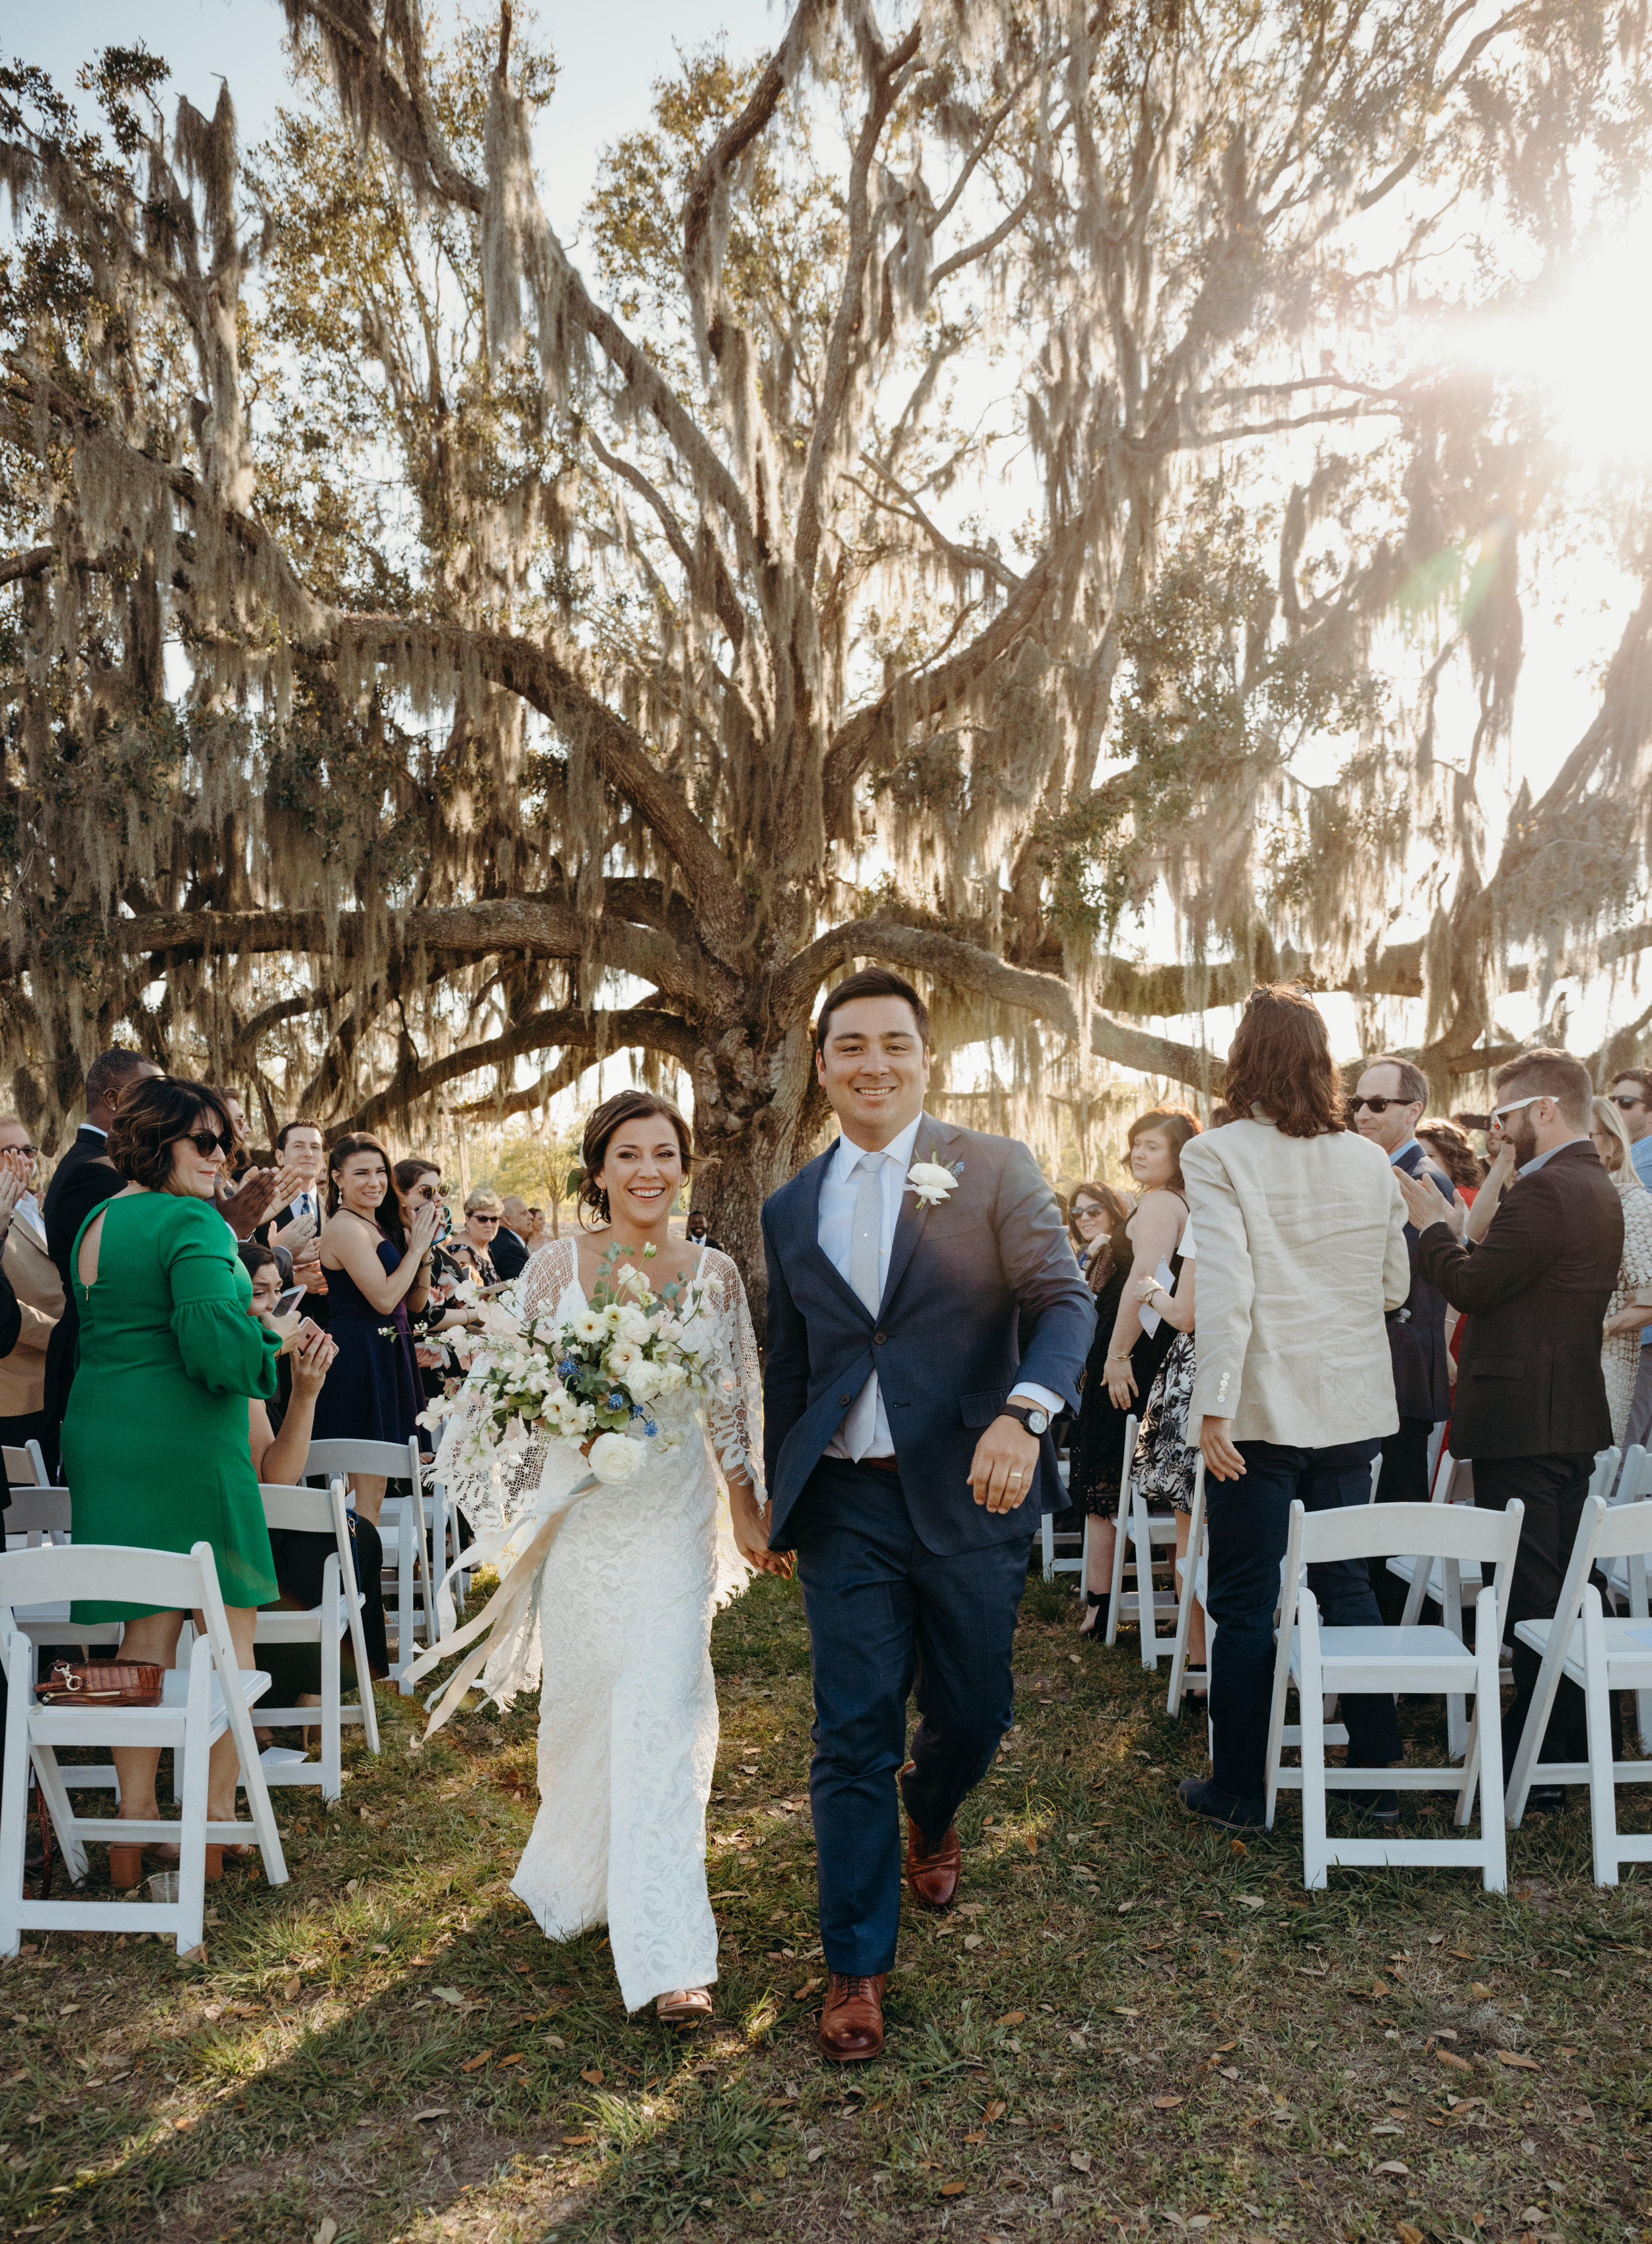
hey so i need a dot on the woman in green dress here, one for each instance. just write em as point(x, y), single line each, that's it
point(154, 1440)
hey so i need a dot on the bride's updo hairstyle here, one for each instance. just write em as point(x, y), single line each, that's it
point(625, 1106)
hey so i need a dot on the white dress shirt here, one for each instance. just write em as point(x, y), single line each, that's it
point(835, 1222)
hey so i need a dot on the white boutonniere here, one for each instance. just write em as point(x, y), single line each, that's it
point(932, 1181)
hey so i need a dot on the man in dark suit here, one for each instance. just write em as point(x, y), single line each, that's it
point(82, 1181)
point(926, 1320)
point(1388, 1104)
point(1531, 1407)
point(511, 1248)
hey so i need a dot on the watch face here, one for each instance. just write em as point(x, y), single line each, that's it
point(1038, 1422)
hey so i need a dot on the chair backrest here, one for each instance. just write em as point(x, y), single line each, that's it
point(25, 1467)
point(171, 1581)
point(394, 1460)
point(38, 1511)
point(1636, 1480)
point(308, 1511)
point(1394, 1530)
point(1625, 1530)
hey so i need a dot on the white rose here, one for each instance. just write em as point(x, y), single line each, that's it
point(643, 1379)
point(590, 1324)
point(633, 1323)
point(669, 1378)
point(615, 1457)
point(931, 1180)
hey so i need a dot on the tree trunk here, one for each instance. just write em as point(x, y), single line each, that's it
point(756, 1111)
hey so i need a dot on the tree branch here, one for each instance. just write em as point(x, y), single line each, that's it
point(568, 1026)
point(959, 964)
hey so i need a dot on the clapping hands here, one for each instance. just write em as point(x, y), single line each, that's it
point(1426, 1204)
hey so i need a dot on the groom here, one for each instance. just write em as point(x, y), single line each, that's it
point(919, 1341)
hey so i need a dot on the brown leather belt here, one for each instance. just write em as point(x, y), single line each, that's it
point(882, 1465)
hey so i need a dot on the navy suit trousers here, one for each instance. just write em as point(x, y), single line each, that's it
point(1250, 1520)
point(888, 1616)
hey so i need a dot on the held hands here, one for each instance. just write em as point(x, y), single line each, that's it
point(751, 1531)
point(1426, 1204)
point(1004, 1466)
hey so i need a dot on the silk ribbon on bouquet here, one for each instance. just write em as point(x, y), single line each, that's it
point(506, 1612)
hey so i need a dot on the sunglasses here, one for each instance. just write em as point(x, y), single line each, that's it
point(479, 1217)
point(1514, 1106)
point(1617, 1100)
point(1379, 1106)
point(204, 1141)
point(31, 1150)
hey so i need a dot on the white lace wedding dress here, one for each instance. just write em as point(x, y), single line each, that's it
point(619, 1637)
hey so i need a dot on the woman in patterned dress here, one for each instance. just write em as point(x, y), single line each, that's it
point(1630, 1307)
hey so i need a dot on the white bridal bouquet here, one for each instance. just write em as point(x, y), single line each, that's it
point(593, 1376)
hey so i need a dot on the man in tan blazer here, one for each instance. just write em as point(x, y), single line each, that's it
point(39, 1290)
point(1302, 1251)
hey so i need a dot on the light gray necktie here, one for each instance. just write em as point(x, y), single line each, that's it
point(865, 1276)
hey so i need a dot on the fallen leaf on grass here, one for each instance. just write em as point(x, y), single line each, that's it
point(1478, 1987)
point(1013, 2018)
point(443, 1995)
point(290, 1993)
point(808, 1988)
point(577, 2142)
point(978, 2137)
point(1513, 2056)
point(515, 2058)
point(815, 2151)
point(1446, 2057)
point(954, 2188)
point(432, 2112)
point(475, 2064)
point(1392, 2165)
point(1377, 1991)
point(1408, 2235)
point(592, 2074)
point(1121, 2010)
point(995, 2110)
point(328, 2231)
point(1080, 2160)
point(1253, 1901)
point(1167, 2103)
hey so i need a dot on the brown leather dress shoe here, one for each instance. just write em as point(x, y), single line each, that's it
point(851, 2025)
point(932, 1871)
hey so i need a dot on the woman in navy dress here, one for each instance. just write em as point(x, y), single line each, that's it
point(371, 1394)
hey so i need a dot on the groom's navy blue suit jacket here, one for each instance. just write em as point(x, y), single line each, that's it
point(982, 1289)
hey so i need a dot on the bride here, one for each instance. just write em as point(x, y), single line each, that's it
point(627, 1589)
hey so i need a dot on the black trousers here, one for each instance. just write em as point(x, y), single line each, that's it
point(1403, 1479)
point(1553, 1489)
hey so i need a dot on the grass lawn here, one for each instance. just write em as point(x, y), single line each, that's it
point(1129, 2025)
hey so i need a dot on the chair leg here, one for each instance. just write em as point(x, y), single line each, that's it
point(1316, 1844)
point(1537, 1715)
point(1046, 1541)
point(1488, 1739)
point(332, 1692)
point(14, 1810)
point(191, 1831)
point(1120, 1536)
point(1597, 1720)
point(60, 1807)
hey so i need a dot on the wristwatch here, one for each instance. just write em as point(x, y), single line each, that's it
point(1035, 1421)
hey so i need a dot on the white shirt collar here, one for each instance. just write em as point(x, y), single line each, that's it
point(899, 1149)
point(1400, 1152)
point(93, 1126)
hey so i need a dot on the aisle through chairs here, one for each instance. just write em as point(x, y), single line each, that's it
point(319, 1511)
point(1315, 1660)
point(403, 1529)
point(195, 1711)
point(1601, 1653)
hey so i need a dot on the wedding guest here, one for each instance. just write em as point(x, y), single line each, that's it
point(246, 1193)
point(418, 1184)
point(511, 1248)
point(483, 1214)
point(154, 1441)
point(1629, 1314)
point(32, 1276)
point(1452, 1149)
point(83, 1180)
point(10, 1326)
point(1301, 1253)
point(1531, 1396)
point(1386, 1107)
point(279, 1433)
point(1631, 1093)
point(372, 1394)
point(294, 1223)
point(1165, 1464)
point(1096, 1217)
point(1132, 1356)
point(1095, 1213)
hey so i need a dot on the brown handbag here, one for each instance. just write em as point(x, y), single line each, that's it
point(101, 1683)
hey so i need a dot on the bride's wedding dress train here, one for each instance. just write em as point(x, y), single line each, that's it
point(619, 1634)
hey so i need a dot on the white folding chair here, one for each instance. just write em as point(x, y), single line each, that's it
point(1052, 1565)
point(37, 1514)
point(199, 1704)
point(1626, 1576)
point(403, 1529)
point(25, 1467)
point(319, 1511)
point(1601, 1654)
point(1121, 1531)
point(1316, 1660)
point(1192, 1576)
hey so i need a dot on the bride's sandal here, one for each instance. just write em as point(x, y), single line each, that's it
point(684, 2006)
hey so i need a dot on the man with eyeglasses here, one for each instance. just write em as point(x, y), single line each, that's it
point(1632, 1095)
point(33, 1278)
point(1531, 1409)
point(1388, 1103)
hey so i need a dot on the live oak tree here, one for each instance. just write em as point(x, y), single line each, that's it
point(983, 479)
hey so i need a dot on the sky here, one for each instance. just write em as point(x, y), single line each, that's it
point(609, 58)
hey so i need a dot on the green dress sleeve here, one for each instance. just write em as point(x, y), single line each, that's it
point(227, 1351)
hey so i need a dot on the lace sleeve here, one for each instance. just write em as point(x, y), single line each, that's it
point(734, 1404)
